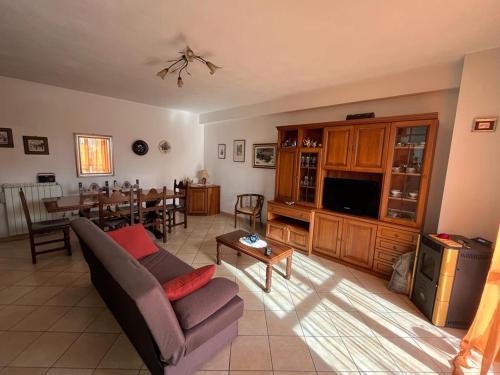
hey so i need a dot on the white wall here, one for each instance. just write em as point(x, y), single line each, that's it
point(416, 81)
point(471, 200)
point(39, 110)
point(236, 178)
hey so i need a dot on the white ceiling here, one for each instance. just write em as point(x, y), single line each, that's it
point(268, 48)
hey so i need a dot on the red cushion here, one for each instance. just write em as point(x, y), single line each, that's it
point(186, 284)
point(135, 240)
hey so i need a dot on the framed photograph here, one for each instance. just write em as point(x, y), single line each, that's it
point(36, 145)
point(484, 124)
point(264, 155)
point(239, 150)
point(94, 155)
point(221, 152)
point(6, 139)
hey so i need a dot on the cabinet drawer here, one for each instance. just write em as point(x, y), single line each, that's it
point(277, 231)
point(382, 267)
point(297, 239)
point(291, 212)
point(397, 234)
point(386, 256)
point(396, 247)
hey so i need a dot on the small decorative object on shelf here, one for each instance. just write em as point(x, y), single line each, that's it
point(203, 176)
point(289, 143)
point(268, 251)
point(126, 185)
point(80, 188)
point(310, 143)
point(358, 116)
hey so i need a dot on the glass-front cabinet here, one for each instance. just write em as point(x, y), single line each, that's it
point(406, 179)
point(309, 160)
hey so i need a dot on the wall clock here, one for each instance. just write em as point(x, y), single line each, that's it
point(140, 147)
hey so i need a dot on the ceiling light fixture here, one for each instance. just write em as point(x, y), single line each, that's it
point(181, 64)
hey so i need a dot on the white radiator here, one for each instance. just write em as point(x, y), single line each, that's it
point(34, 193)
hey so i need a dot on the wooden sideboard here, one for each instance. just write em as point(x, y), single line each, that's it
point(203, 199)
point(397, 152)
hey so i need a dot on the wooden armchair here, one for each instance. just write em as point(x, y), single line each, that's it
point(116, 211)
point(152, 210)
point(251, 205)
point(177, 205)
point(45, 228)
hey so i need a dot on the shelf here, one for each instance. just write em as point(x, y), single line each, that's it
point(407, 174)
point(301, 167)
point(308, 187)
point(408, 147)
point(404, 199)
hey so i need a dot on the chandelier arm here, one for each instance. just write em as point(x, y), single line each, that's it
point(175, 63)
point(200, 59)
point(183, 68)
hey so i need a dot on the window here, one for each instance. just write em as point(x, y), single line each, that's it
point(94, 155)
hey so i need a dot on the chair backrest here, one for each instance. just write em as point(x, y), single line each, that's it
point(117, 198)
point(25, 209)
point(180, 188)
point(255, 201)
point(153, 201)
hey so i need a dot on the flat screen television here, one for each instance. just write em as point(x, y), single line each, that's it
point(357, 197)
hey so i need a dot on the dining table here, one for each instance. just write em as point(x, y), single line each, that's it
point(87, 201)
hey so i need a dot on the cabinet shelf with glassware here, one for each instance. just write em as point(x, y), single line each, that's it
point(411, 144)
point(309, 174)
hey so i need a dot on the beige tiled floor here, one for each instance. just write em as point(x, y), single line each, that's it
point(327, 319)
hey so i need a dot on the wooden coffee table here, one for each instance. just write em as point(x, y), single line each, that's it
point(279, 252)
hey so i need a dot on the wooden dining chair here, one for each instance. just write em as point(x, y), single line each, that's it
point(251, 205)
point(152, 209)
point(116, 211)
point(177, 205)
point(46, 227)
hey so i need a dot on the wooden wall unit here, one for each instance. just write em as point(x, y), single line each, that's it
point(203, 199)
point(397, 151)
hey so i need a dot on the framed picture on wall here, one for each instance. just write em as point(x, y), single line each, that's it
point(264, 155)
point(36, 145)
point(239, 150)
point(6, 139)
point(221, 151)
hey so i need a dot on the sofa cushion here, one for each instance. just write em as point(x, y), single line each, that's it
point(207, 329)
point(201, 304)
point(186, 284)
point(165, 266)
point(135, 240)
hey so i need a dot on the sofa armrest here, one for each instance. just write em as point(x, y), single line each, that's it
point(201, 304)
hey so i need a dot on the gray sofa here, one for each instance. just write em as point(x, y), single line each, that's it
point(172, 338)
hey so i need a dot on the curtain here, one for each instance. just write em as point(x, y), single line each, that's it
point(95, 155)
point(484, 333)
